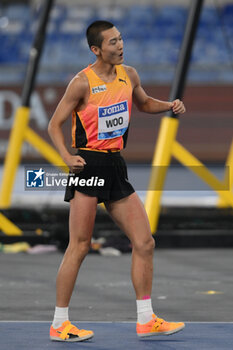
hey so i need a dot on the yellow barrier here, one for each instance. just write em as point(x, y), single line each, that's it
point(166, 147)
point(21, 132)
point(8, 227)
point(161, 160)
point(13, 155)
point(45, 149)
point(186, 158)
point(228, 173)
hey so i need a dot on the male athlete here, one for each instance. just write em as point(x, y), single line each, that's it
point(100, 99)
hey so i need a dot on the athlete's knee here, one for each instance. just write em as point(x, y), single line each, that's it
point(84, 247)
point(145, 246)
point(150, 244)
point(80, 247)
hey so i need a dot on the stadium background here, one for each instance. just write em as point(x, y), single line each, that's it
point(152, 32)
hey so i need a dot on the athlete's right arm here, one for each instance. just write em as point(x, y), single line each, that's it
point(74, 95)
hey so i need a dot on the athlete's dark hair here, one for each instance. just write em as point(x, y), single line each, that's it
point(94, 30)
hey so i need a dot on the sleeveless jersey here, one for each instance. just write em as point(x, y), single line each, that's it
point(104, 122)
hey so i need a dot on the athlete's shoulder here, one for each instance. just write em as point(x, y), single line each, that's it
point(129, 69)
point(133, 74)
point(80, 79)
point(79, 82)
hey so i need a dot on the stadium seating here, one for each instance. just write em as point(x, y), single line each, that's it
point(153, 37)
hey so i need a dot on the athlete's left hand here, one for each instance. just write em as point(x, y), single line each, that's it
point(178, 107)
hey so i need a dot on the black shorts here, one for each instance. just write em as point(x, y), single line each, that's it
point(104, 176)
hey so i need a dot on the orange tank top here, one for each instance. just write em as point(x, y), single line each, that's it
point(104, 123)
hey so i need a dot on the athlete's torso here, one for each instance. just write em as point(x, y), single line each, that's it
point(103, 123)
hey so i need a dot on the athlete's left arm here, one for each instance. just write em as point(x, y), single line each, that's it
point(147, 103)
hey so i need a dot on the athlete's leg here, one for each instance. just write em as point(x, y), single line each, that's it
point(130, 215)
point(81, 223)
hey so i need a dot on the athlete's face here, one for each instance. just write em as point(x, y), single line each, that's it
point(111, 50)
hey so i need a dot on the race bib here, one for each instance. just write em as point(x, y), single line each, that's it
point(113, 120)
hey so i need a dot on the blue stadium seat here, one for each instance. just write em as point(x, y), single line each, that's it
point(209, 14)
point(171, 15)
point(17, 12)
point(141, 14)
point(227, 10)
point(83, 13)
point(133, 53)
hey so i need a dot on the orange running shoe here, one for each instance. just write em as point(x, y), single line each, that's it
point(69, 333)
point(157, 326)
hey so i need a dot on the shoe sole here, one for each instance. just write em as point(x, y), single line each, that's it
point(142, 335)
point(72, 339)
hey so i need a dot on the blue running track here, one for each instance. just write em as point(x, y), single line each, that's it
point(115, 336)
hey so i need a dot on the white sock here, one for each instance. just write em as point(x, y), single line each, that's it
point(144, 311)
point(60, 315)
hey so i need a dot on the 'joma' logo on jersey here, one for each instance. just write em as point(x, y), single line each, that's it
point(99, 88)
point(113, 109)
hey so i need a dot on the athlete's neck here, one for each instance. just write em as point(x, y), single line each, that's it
point(106, 71)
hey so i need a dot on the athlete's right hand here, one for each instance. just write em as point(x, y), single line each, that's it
point(75, 164)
